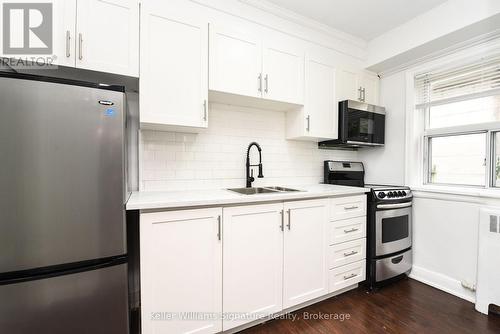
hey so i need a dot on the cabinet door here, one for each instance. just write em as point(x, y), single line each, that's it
point(174, 67)
point(305, 251)
point(108, 36)
point(64, 32)
point(321, 106)
point(181, 270)
point(253, 255)
point(235, 62)
point(371, 85)
point(348, 85)
point(283, 71)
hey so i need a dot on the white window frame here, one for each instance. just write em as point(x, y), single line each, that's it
point(417, 135)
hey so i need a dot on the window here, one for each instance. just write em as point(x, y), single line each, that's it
point(461, 109)
point(458, 159)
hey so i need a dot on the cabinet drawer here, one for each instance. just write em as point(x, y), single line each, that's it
point(348, 207)
point(347, 275)
point(347, 252)
point(346, 230)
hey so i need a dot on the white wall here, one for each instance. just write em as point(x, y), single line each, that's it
point(216, 158)
point(462, 17)
point(445, 241)
point(386, 165)
point(445, 220)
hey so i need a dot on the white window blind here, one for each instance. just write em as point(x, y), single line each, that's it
point(474, 80)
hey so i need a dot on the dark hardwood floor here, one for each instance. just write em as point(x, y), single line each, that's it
point(407, 306)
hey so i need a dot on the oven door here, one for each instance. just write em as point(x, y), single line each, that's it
point(392, 228)
point(362, 125)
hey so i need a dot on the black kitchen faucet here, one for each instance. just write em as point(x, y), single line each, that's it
point(250, 177)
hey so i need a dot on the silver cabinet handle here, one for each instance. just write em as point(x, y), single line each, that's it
point(282, 226)
point(260, 82)
point(363, 94)
point(351, 230)
point(68, 41)
point(289, 225)
point(205, 110)
point(308, 118)
point(350, 253)
point(266, 79)
point(349, 276)
point(360, 94)
point(219, 235)
point(351, 207)
point(80, 46)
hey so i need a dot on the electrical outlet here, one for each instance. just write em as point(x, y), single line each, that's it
point(494, 224)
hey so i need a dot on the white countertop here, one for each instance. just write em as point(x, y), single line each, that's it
point(146, 200)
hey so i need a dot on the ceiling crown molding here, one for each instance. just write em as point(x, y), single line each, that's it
point(292, 16)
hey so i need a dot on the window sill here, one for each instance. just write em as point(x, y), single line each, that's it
point(458, 191)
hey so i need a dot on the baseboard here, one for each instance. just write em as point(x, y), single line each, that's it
point(442, 282)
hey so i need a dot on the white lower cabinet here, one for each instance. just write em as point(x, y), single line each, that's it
point(347, 242)
point(236, 265)
point(347, 229)
point(347, 252)
point(253, 263)
point(348, 207)
point(181, 271)
point(305, 267)
point(345, 276)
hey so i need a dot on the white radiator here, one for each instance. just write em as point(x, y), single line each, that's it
point(488, 269)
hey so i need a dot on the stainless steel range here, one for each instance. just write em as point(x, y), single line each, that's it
point(389, 233)
point(389, 230)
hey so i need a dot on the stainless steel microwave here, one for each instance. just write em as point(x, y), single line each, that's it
point(360, 124)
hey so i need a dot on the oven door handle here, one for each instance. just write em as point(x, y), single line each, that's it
point(394, 206)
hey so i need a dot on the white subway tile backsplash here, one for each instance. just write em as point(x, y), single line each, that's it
point(216, 157)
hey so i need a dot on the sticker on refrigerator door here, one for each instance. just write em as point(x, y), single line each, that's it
point(110, 112)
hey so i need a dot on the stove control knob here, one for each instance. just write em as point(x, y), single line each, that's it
point(381, 195)
point(400, 193)
point(390, 194)
point(404, 193)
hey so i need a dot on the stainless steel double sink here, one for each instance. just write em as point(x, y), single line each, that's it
point(262, 190)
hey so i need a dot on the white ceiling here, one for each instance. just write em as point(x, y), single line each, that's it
point(366, 19)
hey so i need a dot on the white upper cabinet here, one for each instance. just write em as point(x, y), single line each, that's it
point(253, 262)
point(305, 274)
point(181, 270)
point(64, 42)
point(283, 71)
point(235, 62)
point(174, 69)
point(107, 36)
point(358, 86)
point(96, 35)
point(370, 84)
point(249, 65)
point(318, 119)
point(348, 85)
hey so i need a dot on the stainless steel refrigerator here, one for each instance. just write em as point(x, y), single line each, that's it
point(63, 263)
